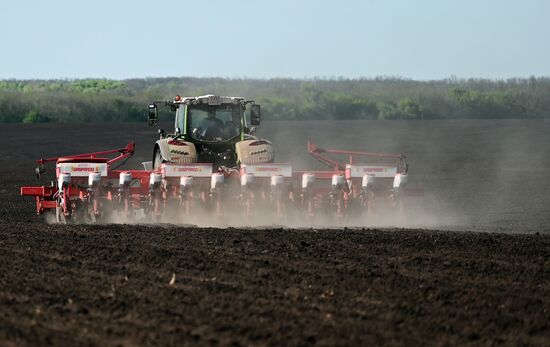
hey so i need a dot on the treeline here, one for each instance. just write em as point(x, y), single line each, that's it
point(102, 100)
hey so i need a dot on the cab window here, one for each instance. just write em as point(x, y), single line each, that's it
point(214, 123)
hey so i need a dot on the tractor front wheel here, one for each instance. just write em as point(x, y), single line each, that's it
point(157, 159)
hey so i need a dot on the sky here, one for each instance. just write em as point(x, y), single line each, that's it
point(420, 39)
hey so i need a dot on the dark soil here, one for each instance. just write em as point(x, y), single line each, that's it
point(110, 285)
point(166, 285)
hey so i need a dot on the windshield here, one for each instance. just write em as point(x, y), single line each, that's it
point(214, 123)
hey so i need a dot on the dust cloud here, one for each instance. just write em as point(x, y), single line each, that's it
point(476, 174)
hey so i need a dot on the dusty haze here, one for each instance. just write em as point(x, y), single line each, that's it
point(477, 174)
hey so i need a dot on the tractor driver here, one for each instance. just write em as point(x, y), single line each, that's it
point(211, 127)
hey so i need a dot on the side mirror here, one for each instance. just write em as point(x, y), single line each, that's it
point(153, 115)
point(162, 133)
point(255, 115)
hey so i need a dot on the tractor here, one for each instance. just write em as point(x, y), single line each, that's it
point(210, 129)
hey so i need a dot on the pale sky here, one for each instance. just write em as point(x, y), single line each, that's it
point(421, 39)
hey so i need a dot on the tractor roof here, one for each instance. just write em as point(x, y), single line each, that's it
point(209, 100)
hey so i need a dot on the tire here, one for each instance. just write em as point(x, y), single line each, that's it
point(157, 159)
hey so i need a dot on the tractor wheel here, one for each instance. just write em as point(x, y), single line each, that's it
point(157, 159)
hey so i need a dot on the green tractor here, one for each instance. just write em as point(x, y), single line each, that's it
point(210, 129)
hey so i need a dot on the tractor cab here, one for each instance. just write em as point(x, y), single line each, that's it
point(211, 123)
point(210, 118)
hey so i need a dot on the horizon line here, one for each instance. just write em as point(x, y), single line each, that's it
point(305, 78)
